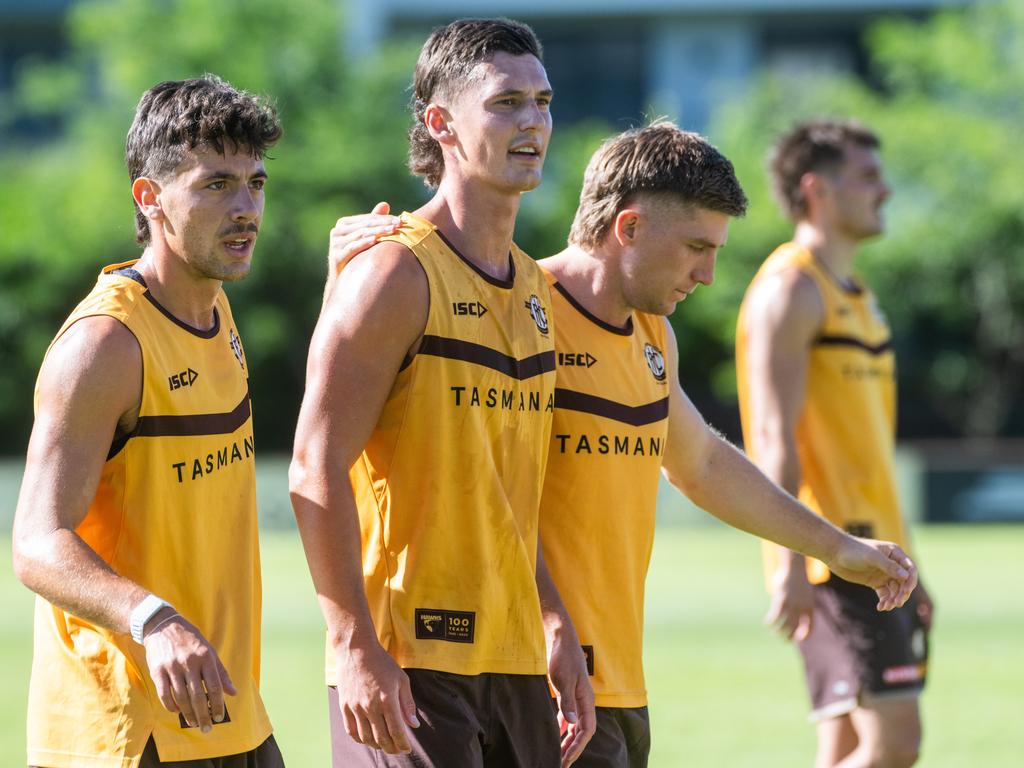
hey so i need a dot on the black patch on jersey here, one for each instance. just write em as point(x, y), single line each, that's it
point(227, 719)
point(453, 626)
point(861, 530)
point(588, 652)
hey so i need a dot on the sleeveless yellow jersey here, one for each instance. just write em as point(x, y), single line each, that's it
point(597, 511)
point(845, 434)
point(175, 511)
point(449, 484)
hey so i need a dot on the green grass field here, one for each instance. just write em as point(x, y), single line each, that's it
point(723, 691)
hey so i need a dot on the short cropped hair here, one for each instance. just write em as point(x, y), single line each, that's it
point(814, 146)
point(659, 159)
point(445, 62)
point(176, 116)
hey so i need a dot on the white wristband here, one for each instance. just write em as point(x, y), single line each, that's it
point(142, 613)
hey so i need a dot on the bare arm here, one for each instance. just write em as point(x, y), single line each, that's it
point(370, 322)
point(567, 668)
point(81, 403)
point(720, 479)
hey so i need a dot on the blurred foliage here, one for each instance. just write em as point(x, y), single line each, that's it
point(950, 272)
point(950, 269)
point(66, 209)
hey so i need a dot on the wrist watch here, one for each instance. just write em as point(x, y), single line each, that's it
point(143, 612)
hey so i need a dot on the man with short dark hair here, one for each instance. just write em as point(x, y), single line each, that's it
point(431, 379)
point(816, 375)
point(653, 213)
point(136, 523)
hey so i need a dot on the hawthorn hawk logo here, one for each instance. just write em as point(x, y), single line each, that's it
point(655, 361)
point(540, 317)
point(236, 347)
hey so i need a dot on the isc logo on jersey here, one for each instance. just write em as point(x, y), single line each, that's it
point(576, 359)
point(655, 361)
point(537, 312)
point(468, 308)
point(184, 379)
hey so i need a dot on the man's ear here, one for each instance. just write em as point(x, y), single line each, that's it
point(146, 192)
point(438, 122)
point(625, 225)
point(812, 187)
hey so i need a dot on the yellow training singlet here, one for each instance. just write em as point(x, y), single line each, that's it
point(597, 511)
point(845, 434)
point(449, 484)
point(175, 511)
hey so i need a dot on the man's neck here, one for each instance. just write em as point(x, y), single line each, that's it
point(479, 223)
point(593, 281)
point(176, 286)
point(835, 252)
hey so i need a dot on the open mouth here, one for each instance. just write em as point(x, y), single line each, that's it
point(527, 152)
point(239, 244)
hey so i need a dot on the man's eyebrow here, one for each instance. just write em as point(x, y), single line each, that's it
point(519, 92)
point(229, 176)
point(704, 242)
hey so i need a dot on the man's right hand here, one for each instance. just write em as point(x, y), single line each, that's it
point(187, 671)
point(792, 607)
point(375, 699)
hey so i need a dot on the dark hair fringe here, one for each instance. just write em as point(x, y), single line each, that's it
point(176, 116)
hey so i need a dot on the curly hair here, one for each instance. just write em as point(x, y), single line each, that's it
point(656, 159)
point(176, 116)
point(446, 60)
point(814, 146)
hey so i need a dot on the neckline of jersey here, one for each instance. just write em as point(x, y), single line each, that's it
point(626, 330)
point(509, 283)
point(131, 273)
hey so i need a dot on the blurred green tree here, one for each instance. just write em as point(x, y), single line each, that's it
point(66, 207)
point(950, 269)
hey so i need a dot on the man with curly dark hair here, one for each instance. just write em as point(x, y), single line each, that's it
point(136, 523)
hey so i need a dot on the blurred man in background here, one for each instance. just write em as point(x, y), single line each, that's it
point(816, 377)
point(136, 523)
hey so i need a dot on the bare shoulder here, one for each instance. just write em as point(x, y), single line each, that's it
point(789, 298)
point(381, 301)
point(94, 351)
point(387, 268)
point(92, 376)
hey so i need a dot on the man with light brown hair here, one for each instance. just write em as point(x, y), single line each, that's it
point(653, 213)
point(816, 371)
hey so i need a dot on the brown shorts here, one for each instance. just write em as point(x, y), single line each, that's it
point(266, 755)
point(855, 650)
point(466, 721)
point(622, 739)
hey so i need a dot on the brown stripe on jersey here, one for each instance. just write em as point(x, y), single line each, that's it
point(637, 416)
point(194, 424)
point(470, 352)
point(850, 341)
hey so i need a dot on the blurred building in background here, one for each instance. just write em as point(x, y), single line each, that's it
point(29, 29)
point(657, 57)
point(649, 57)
